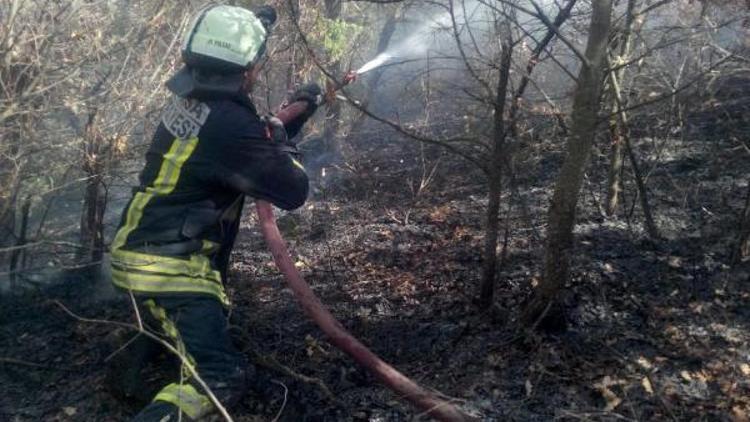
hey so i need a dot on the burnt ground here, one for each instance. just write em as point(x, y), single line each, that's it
point(655, 332)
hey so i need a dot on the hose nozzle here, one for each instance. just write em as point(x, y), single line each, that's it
point(350, 77)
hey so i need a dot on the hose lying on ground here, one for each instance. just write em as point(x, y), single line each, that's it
point(340, 337)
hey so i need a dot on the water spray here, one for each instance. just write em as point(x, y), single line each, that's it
point(375, 63)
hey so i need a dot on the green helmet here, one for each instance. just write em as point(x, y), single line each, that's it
point(227, 39)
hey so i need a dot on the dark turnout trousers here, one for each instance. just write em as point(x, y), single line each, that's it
point(196, 327)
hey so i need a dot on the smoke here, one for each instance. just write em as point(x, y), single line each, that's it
point(475, 25)
point(86, 284)
point(434, 33)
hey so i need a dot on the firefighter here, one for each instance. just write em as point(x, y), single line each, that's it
point(210, 150)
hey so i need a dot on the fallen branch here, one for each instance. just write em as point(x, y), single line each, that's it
point(271, 363)
point(20, 362)
point(283, 404)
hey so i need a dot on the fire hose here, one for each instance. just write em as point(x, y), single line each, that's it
point(337, 335)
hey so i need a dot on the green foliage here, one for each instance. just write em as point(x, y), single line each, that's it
point(337, 35)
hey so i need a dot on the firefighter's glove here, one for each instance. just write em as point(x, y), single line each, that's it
point(267, 16)
point(313, 96)
point(278, 135)
point(277, 130)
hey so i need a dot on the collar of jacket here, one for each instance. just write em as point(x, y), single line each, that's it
point(194, 83)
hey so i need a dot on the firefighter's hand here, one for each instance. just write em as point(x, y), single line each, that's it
point(311, 93)
point(278, 132)
point(313, 96)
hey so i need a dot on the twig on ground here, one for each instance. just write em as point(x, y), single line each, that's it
point(20, 362)
point(283, 404)
point(587, 416)
point(271, 363)
point(448, 400)
point(541, 316)
point(137, 312)
point(121, 348)
point(660, 398)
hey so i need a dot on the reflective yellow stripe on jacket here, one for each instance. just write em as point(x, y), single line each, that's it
point(164, 184)
point(198, 266)
point(142, 272)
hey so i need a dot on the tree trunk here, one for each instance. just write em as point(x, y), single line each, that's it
point(651, 229)
point(333, 112)
point(94, 199)
point(92, 220)
point(562, 211)
point(742, 247)
point(291, 73)
point(17, 254)
point(8, 205)
point(614, 179)
point(614, 175)
point(494, 175)
point(10, 182)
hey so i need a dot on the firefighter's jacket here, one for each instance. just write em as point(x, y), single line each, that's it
point(178, 229)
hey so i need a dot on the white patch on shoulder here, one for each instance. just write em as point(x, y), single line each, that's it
point(184, 117)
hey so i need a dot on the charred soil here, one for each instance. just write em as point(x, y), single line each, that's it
point(655, 332)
